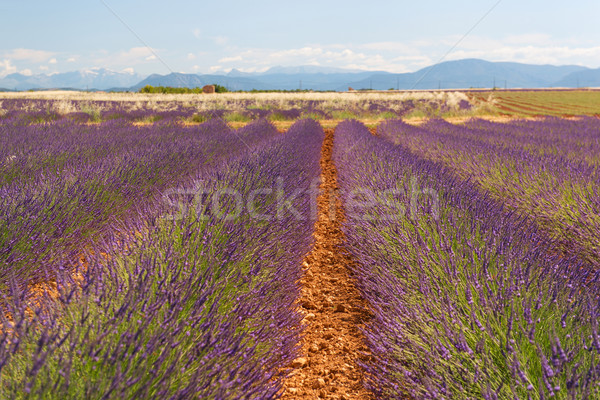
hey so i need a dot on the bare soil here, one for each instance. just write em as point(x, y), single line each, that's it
point(332, 306)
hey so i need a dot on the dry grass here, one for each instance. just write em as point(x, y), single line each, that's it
point(72, 101)
point(492, 105)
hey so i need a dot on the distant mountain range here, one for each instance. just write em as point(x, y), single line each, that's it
point(96, 78)
point(275, 78)
point(461, 74)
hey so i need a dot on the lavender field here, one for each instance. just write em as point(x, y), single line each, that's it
point(159, 252)
point(471, 299)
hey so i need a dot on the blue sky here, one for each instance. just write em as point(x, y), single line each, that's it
point(206, 36)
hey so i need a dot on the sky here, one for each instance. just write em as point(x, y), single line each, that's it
point(144, 37)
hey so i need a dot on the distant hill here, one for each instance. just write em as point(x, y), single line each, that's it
point(461, 74)
point(315, 81)
point(192, 80)
point(276, 79)
point(585, 78)
point(471, 73)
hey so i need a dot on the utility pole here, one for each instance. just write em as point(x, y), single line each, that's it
point(494, 87)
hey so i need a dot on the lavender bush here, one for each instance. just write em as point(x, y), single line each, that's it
point(63, 185)
point(197, 306)
point(470, 299)
point(545, 175)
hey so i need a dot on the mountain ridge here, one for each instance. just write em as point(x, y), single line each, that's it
point(458, 74)
point(93, 78)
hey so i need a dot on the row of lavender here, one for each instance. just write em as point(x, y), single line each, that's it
point(192, 297)
point(62, 184)
point(574, 139)
point(37, 111)
point(470, 299)
point(548, 169)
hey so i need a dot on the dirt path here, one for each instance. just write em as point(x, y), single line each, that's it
point(333, 307)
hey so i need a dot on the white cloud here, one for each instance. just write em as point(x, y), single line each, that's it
point(26, 72)
point(530, 48)
point(262, 59)
point(409, 56)
point(247, 69)
point(386, 46)
point(36, 56)
point(557, 55)
point(125, 58)
point(197, 33)
point(129, 70)
point(6, 68)
point(230, 59)
point(221, 40)
point(135, 54)
point(529, 39)
point(393, 56)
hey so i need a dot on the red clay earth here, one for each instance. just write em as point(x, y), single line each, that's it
point(332, 306)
